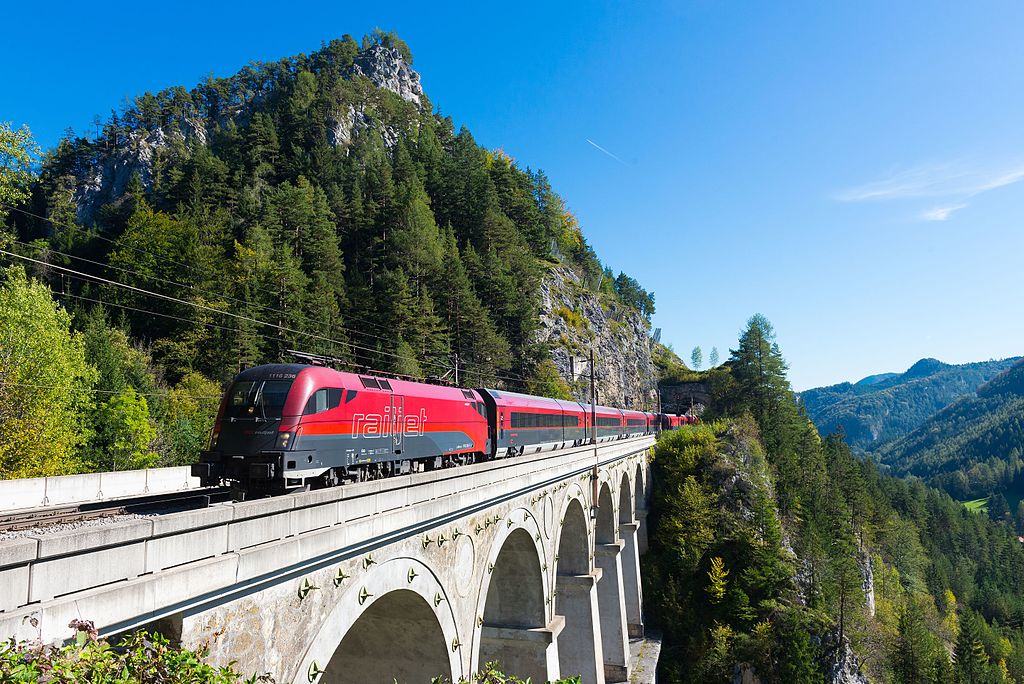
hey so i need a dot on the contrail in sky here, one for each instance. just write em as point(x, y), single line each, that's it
point(605, 151)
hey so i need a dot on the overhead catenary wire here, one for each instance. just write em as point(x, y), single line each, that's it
point(107, 281)
point(508, 376)
point(91, 390)
point(184, 285)
point(189, 267)
point(79, 275)
point(356, 366)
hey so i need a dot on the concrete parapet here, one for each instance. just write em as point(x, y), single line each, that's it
point(312, 518)
point(132, 603)
point(90, 538)
point(66, 489)
point(191, 520)
point(185, 547)
point(14, 551)
point(68, 574)
point(255, 531)
point(262, 507)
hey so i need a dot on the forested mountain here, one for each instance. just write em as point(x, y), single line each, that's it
point(972, 448)
point(779, 556)
point(889, 405)
point(315, 203)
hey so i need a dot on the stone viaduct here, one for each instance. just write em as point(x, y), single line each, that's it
point(529, 561)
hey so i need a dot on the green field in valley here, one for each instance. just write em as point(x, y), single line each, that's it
point(977, 505)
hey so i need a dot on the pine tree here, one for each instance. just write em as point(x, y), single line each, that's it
point(480, 348)
point(970, 661)
point(762, 387)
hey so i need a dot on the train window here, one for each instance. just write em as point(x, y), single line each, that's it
point(608, 422)
point(570, 421)
point(258, 399)
point(334, 397)
point(469, 395)
point(369, 383)
point(323, 400)
point(536, 420)
point(317, 403)
point(385, 385)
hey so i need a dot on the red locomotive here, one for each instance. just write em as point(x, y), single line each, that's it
point(286, 426)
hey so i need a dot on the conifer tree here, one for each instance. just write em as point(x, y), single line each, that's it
point(970, 661)
point(760, 375)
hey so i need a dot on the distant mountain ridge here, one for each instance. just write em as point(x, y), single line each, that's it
point(972, 447)
point(887, 406)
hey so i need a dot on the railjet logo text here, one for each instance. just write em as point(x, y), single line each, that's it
point(377, 425)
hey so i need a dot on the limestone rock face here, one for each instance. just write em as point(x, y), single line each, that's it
point(573, 320)
point(842, 666)
point(387, 69)
point(105, 179)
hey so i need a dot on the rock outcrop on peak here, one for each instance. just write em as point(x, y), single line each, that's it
point(387, 69)
point(134, 146)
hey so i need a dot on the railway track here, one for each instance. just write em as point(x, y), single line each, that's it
point(11, 521)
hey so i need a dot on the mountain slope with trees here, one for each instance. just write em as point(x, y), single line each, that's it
point(775, 552)
point(887, 406)
point(315, 203)
point(972, 448)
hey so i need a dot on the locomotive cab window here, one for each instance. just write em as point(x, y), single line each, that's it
point(258, 399)
point(323, 400)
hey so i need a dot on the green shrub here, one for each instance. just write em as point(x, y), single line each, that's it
point(143, 657)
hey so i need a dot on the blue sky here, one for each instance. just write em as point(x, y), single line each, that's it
point(854, 171)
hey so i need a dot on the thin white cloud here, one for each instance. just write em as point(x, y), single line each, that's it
point(941, 213)
point(605, 151)
point(934, 180)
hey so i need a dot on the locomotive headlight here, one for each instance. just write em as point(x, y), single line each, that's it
point(284, 440)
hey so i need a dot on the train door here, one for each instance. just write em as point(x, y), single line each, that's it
point(397, 422)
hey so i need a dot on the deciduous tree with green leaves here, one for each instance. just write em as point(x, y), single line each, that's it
point(19, 155)
point(45, 381)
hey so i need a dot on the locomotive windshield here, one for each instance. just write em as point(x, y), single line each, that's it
point(258, 399)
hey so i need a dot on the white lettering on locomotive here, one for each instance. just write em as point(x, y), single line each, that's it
point(372, 425)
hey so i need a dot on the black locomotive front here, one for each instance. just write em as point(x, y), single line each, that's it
point(248, 443)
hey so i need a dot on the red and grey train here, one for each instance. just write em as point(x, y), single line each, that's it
point(287, 426)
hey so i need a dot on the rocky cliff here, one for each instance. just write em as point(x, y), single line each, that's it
point(574, 320)
point(139, 150)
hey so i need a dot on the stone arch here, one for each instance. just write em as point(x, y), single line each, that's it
point(625, 500)
point(394, 622)
point(605, 525)
point(639, 489)
point(607, 552)
point(630, 559)
point(579, 643)
point(573, 558)
point(513, 609)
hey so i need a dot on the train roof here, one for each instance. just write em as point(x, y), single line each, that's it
point(321, 376)
point(513, 399)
